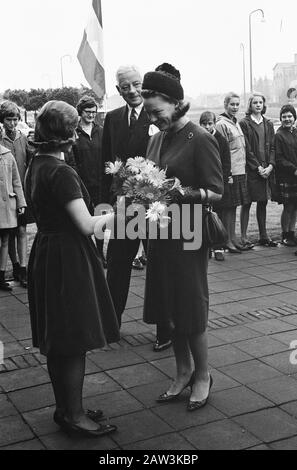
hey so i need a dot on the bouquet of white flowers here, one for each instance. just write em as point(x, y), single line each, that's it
point(142, 182)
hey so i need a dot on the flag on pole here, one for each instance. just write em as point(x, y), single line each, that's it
point(90, 54)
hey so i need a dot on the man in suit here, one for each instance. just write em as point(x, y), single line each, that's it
point(126, 133)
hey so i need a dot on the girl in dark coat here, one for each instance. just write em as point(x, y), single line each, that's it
point(70, 305)
point(286, 172)
point(260, 162)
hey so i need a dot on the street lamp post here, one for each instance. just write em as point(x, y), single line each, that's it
point(61, 64)
point(243, 71)
point(250, 39)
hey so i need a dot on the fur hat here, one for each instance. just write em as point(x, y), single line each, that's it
point(166, 80)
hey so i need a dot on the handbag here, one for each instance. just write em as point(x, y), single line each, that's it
point(214, 234)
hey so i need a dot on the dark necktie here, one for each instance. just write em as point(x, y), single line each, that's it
point(133, 119)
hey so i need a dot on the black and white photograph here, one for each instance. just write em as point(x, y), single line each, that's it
point(148, 239)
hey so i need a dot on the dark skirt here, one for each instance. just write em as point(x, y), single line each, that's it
point(176, 290)
point(70, 305)
point(239, 194)
point(259, 188)
point(287, 193)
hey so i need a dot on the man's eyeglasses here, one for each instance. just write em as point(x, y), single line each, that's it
point(90, 112)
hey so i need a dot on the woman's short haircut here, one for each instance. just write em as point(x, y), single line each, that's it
point(207, 116)
point(9, 109)
point(250, 100)
point(55, 126)
point(229, 96)
point(86, 102)
point(181, 106)
point(287, 108)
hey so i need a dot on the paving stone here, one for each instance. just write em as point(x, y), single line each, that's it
point(251, 281)
point(176, 415)
point(60, 441)
point(260, 346)
point(290, 408)
point(268, 327)
point(5, 336)
point(286, 337)
point(135, 313)
point(239, 400)
point(285, 444)
point(6, 407)
point(32, 398)
point(289, 297)
point(41, 421)
point(18, 379)
point(250, 371)
point(292, 319)
point(147, 394)
point(269, 425)
point(147, 353)
point(134, 328)
point(141, 425)
point(214, 341)
point(243, 294)
point(164, 442)
point(222, 381)
point(279, 390)
point(91, 367)
point(259, 447)
point(166, 365)
point(230, 275)
point(281, 362)
point(33, 444)
point(136, 375)
point(114, 403)
point(114, 359)
point(133, 301)
point(215, 299)
point(21, 333)
point(95, 384)
point(220, 435)
point(226, 354)
point(13, 429)
point(235, 333)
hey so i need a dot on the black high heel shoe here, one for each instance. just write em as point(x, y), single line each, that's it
point(195, 405)
point(166, 397)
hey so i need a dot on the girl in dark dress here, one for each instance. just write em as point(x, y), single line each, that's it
point(286, 172)
point(259, 133)
point(70, 305)
point(176, 282)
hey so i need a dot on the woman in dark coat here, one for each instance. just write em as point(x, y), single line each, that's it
point(286, 172)
point(176, 281)
point(70, 305)
point(260, 162)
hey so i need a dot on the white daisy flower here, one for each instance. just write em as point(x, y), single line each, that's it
point(136, 164)
point(157, 177)
point(112, 168)
point(156, 210)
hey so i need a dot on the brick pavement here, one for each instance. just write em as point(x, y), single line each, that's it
point(253, 404)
